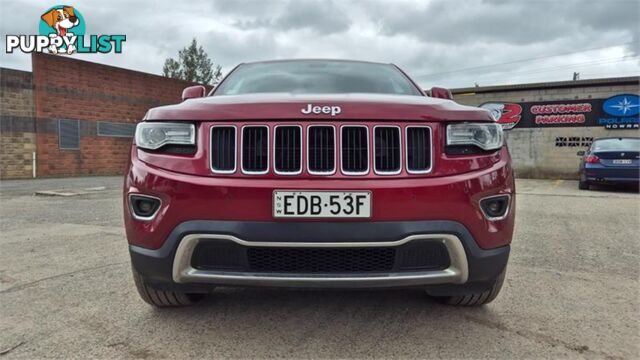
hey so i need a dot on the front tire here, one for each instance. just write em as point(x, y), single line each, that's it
point(160, 298)
point(475, 299)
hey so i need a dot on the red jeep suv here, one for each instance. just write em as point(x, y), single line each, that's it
point(321, 174)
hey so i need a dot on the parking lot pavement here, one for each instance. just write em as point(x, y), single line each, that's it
point(66, 290)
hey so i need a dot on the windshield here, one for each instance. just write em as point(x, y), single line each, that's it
point(316, 77)
point(627, 144)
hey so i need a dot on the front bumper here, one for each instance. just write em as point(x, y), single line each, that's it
point(202, 208)
point(186, 198)
point(169, 267)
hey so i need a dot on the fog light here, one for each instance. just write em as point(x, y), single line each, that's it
point(495, 207)
point(144, 207)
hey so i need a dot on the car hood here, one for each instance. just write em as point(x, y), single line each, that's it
point(283, 106)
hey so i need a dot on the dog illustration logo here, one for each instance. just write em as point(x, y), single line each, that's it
point(506, 114)
point(62, 23)
point(61, 19)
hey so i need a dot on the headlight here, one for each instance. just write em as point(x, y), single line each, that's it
point(154, 135)
point(485, 136)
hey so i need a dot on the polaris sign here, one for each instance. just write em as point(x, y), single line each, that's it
point(623, 111)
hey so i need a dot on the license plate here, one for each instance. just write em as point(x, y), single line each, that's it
point(322, 204)
point(622, 161)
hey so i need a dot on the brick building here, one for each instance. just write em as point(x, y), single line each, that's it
point(77, 117)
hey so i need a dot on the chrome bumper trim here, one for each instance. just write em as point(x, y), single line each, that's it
point(497, 218)
point(456, 273)
point(143, 218)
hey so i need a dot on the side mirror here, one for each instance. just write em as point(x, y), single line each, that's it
point(442, 93)
point(192, 92)
point(580, 153)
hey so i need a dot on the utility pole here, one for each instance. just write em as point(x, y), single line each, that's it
point(576, 76)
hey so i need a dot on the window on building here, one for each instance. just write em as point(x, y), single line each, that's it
point(114, 129)
point(69, 134)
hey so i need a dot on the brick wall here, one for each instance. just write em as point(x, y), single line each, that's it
point(65, 88)
point(17, 137)
point(534, 150)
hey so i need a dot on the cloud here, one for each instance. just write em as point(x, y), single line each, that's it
point(318, 16)
point(323, 17)
point(505, 22)
point(479, 22)
point(436, 41)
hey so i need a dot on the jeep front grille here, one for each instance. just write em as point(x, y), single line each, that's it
point(321, 149)
point(255, 149)
point(321, 144)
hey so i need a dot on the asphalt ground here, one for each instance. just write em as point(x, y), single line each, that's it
point(66, 290)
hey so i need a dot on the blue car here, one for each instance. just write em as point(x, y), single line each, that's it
point(610, 161)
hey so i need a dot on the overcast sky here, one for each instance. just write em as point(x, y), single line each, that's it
point(445, 43)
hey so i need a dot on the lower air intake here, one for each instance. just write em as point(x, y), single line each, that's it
point(419, 255)
point(321, 260)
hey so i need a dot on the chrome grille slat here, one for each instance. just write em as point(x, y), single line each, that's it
point(418, 149)
point(255, 149)
point(288, 149)
point(355, 149)
point(387, 149)
point(321, 149)
point(223, 149)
